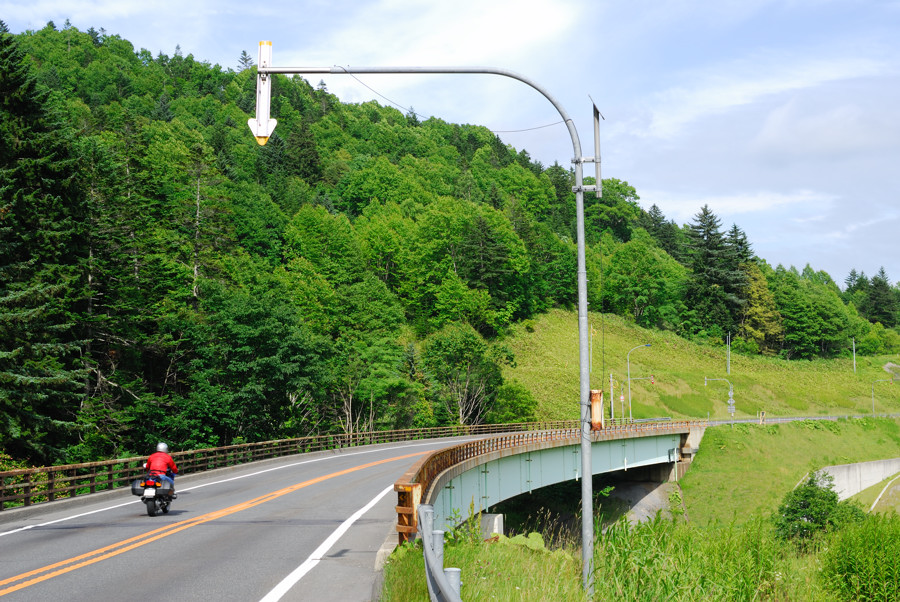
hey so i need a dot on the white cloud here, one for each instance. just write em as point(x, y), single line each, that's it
point(523, 36)
point(807, 129)
point(848, 231)
point(89, 13)
point(683, 207)
point(725, 87)
point(442, 33)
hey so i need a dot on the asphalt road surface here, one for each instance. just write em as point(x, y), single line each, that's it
point(306, 527)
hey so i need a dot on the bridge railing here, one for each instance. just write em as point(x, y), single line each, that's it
point(28, 486)
point(416, 482)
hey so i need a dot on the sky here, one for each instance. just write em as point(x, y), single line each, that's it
point(782, 116)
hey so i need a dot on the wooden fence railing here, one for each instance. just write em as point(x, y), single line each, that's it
point(28, 486)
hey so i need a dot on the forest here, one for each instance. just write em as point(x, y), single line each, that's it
point(164, 277)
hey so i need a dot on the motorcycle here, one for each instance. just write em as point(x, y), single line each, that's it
point(156, 493)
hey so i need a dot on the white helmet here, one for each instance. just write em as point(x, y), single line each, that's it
point(162, 447)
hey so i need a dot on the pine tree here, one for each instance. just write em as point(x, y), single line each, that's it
point(245, 61)
point(881, 303)
point(666, 233)
point(710, 292)
point(736, 240)
point(41, 251)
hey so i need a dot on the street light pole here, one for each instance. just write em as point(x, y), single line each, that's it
point(628, 361)
point(262, 128)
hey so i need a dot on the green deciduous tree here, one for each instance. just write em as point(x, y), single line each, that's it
point(760, 322)
point(466, 370)
point(617, 211)
point(327, 242)
point(513, 403)
point(644, 282)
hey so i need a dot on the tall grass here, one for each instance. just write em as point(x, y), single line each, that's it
point(657, 560)
point(509, 569)
point(666, 560)
point(862, 561)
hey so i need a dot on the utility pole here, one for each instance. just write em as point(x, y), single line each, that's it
point(262, 127)
point(728, 355)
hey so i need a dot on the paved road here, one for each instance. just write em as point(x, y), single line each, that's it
point(305, 527)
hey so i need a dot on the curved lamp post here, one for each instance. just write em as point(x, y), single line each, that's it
point(628, 361)
point(262, 126)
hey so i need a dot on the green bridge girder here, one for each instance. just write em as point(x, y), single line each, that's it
point(492, 478)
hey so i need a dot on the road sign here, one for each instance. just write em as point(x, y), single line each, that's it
point(262, 127)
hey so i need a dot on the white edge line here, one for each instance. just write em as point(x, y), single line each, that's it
point(297, 574)
point(878, 499)
point(252, 474)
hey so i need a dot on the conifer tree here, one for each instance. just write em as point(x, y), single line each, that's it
point(41, 246)
point(245, 61)
point(705, 293)
point(881, 303)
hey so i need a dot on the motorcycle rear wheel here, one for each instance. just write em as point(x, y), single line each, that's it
point(151, 506)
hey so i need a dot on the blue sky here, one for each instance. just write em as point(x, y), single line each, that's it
point(783, 117)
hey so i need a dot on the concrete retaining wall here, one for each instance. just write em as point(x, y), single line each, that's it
point(850, 479)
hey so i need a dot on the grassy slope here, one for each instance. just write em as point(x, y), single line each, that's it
point(548, 364)
point(746, 470)
point(740, 471)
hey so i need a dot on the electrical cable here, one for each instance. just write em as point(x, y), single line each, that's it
point(420, 115)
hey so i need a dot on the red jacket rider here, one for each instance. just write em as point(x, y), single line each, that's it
point(158, 463)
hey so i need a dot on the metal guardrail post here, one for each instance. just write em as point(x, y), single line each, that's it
point(444, 585)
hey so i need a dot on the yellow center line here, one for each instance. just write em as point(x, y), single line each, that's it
point(137, 541)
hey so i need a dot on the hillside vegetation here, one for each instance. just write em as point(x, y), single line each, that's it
point(547, 363)
point(743, 472)
point(162, 276)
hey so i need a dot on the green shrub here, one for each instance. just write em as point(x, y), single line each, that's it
point(813, 508)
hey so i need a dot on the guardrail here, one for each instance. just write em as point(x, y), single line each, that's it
point(444, 584)
point(28, 486)
point(415, 483)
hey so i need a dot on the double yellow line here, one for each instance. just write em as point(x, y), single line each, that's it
point(65, 566)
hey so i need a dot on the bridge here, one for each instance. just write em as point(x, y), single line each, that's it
point(296, 526)
point(478, 474)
